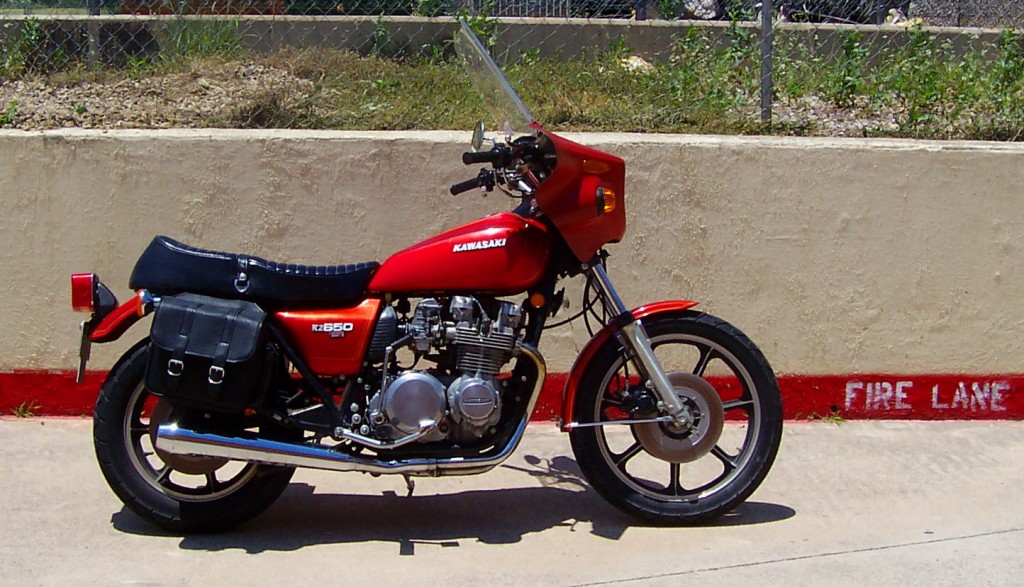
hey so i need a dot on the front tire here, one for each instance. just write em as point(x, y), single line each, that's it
point(187, 494)
point(670, 476)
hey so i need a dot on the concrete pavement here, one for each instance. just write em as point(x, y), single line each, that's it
point(879, 503)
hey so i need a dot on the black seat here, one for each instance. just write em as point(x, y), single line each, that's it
point(168, 267)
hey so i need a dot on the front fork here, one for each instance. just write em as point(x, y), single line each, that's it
point(634, 337)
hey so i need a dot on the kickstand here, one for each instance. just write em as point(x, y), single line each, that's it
point(409, 484)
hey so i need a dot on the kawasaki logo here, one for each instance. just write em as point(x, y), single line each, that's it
point(493, 243)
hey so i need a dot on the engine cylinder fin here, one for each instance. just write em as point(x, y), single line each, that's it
point(482, 354)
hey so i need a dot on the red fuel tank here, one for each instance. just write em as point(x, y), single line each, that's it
point(502, 254)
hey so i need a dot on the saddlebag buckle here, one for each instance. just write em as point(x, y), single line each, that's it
point(175, 367)
point(216, 375)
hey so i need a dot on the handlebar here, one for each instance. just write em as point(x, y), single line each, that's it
point(471, 158)
point(484, 179)
point(499, 157)
point(465, 186)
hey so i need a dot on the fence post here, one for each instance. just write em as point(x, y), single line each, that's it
point(767, 45)
point(92, 32)
point(879, 13)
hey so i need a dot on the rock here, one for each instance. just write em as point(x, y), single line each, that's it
point(701, 9)
point(635, 64)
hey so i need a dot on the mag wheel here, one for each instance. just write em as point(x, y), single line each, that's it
point(665, 474)
point(179, 493)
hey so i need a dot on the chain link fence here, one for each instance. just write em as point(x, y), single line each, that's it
point(906, 68)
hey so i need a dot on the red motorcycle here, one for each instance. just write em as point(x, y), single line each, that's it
point(427, 364)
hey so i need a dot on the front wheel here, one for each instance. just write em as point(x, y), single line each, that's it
point(180, 493)
point(666, 474)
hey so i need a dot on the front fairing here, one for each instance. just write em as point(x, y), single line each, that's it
point(582, 192)
point(584, 195)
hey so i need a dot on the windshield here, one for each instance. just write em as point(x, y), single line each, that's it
point(510, 115)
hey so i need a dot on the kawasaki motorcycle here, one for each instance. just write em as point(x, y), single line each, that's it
point(428, 363)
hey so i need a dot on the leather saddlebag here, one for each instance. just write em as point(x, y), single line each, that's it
point(208, 353)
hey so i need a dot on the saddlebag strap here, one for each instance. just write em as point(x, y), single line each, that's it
point(176, 364)
point(220, 356)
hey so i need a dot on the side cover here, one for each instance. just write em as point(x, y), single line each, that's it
point(332, 342)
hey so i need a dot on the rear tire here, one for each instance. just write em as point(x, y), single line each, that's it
point(748, 391)
point(210, 496)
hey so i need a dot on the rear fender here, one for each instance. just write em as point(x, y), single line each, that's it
point(604, 335)
point(117, 322)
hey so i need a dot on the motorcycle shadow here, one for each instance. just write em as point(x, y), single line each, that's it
point(302, 518)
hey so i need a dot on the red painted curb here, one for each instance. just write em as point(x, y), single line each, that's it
point(883, 397)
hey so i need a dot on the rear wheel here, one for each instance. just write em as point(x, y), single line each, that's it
point(179, 493)
point(667, 474)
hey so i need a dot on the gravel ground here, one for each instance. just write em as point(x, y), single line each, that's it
point(228, 95)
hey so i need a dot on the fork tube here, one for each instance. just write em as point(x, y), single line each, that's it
point(635, 337)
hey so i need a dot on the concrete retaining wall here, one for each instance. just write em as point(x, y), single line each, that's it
point(839, 257)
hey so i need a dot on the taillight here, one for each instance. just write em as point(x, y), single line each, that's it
point(83, 292)
point(88, 294)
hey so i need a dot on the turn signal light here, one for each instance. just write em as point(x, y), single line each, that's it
point(595, 167)
point(605, 200)
point(537, 300)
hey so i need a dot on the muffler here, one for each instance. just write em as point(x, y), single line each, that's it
point(244, 446)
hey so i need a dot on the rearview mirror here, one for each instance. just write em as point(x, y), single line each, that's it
point(478, 136)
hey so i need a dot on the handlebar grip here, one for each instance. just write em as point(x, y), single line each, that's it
point(465, 186)
point(470, 158)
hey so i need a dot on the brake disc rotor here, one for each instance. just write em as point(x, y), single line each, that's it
point(678, 444)
point(186, 464)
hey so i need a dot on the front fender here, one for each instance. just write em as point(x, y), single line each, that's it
point(603, 336)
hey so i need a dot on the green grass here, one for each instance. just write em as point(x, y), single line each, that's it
point(25, 409)
point(831, 417)
point(197, 39)
point(709, 84)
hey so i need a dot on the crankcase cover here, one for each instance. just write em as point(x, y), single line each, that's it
point(474, 400)
point(414, 401)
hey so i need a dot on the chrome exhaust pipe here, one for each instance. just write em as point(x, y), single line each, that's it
point(175, 439)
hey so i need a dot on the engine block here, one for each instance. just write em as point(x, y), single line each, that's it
point(464, 406)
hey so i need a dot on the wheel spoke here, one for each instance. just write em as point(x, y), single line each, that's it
point(621, 458)
point(737, 403)
point(163, 474)
point(728, 461)
point(706, 354)
point(673, 478)
point(211, 482)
